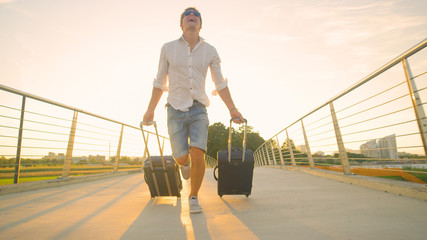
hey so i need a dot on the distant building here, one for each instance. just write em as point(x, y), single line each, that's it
point(385, 147)
point(301, 148)
point(78, 159)
point(50, 156)
point(97, 158)
point(369, 149)
point(320, 153)
point(348, 150)
point(388, 147)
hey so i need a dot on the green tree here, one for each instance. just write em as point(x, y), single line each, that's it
point(218, 138)
point(3, 162)
point(285, 145)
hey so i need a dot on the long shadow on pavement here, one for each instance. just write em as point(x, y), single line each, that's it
point(160, 219)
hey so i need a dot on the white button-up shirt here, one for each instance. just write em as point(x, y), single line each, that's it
point(186, 72)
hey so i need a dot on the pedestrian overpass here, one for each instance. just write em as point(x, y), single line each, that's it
point(336, 173)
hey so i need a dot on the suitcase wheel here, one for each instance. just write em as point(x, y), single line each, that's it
point(247, 195)
point(220, 196)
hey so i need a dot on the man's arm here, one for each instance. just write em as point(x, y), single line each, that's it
point(226, 98)
point(155, 98)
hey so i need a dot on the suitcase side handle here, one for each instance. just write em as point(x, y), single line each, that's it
point(244, 140)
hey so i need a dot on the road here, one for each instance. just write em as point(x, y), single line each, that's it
point(283, 205)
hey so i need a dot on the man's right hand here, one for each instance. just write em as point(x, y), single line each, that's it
point(148, 117)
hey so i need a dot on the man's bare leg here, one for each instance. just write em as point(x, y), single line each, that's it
point(197, 168)
point(183, 160)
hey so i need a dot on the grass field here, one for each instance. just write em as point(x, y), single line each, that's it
point(31, 174)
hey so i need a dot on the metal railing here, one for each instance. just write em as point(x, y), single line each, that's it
point(210, 161)
point(36, 131)
point(379, 123)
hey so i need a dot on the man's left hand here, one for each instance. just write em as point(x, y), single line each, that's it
point(236, 116)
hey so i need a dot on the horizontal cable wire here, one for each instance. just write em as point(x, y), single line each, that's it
point(98, 133)
point(33, 147)
point(379, 127)
point(368, 140)
point(371, 97)
point(308, 130)
point(89, 125)
point(3, 116)
point(8, 136)
point(291, 133)
point(327, 145)
point(321, 133)
point(37, 139)
point(367, 120)
point(44, 115)
point(317, 120)
point(10, 107)
point(34, 130)
point(382, 104)
point(92, 138)
point(27, 120)
point(419, 75)
point(419, 90)
point(322, 139)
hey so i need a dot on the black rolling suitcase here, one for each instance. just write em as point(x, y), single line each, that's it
point(161, 173)
point(235, 169)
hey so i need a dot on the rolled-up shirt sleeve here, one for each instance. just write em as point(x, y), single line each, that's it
point(162, 74)
point(217, 77)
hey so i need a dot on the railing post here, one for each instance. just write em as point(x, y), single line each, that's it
point(268, 155)
point(264, 157)
point(291, 151)
point(145, 153)
point(343, 154)
point(19, 145)
point(280, 151)
point(272, 150)
point(259, 157)
point(67, 161)
point(307, 146)
point(256, 158)
point(119, 147)
point(416, 104)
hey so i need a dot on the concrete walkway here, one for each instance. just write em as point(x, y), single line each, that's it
point(284, 205)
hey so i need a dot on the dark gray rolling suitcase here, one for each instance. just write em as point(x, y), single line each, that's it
point(161, 173)
point(235, 169)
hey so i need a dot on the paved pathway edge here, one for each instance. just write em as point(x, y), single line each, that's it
point(407, 189)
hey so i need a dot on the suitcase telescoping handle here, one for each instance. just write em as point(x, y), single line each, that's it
point(161, 156)
point(146, 143)
point(244, 140)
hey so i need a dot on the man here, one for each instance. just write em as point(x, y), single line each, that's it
point(184, 63)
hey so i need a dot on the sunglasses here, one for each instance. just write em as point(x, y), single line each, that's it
point(188, 12)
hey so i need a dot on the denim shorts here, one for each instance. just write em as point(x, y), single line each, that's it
point(188, 129)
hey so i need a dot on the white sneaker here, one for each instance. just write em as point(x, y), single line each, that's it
point(194, 205)
point(185, 171)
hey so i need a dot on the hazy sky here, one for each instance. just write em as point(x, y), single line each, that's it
point(101, 55)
